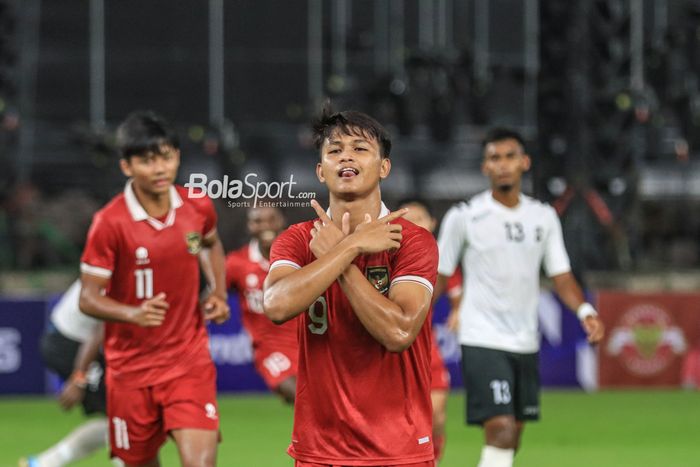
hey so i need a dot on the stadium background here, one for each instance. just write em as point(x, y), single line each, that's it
point(607, 93)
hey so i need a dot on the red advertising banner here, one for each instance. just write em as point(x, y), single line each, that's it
point(647, 337)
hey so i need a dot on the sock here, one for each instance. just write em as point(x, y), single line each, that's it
point(496, 457)
point(82, 441)
point(438, 446)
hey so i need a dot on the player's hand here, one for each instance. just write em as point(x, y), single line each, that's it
point(374, 236)
point(151, 312)
point(71, 394)
point(595, 329)
point(325, 234)
point(215, 308)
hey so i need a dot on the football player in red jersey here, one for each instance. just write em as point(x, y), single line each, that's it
point(360, 280)
point(275, 348)
point(420, 214)
point(140, 274)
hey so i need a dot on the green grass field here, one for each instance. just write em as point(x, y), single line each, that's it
point(620, 429)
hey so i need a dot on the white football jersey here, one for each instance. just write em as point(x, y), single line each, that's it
point(68, 318)
point(501, 250)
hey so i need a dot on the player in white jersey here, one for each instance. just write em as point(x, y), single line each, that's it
point(70, 347)
point(502, 238)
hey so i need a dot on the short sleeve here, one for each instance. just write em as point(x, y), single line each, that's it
point(289, 248)
point(206, 207)
point(99, 256)
point(556, 260)
point(416, 260)
point(451, 242)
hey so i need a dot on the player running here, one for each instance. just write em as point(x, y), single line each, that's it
point(275, 348)
point(140, 273)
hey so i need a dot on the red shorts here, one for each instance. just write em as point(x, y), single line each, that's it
point(441, 377)
point(140, 419)
point(312, 464)
point(276, 362)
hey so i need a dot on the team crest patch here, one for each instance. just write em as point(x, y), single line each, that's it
point(194, 242)
point(379, 277)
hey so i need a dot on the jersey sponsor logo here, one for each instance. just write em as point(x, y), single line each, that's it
point(141, 254)
point(646, 341)
point(194, 242)
point(379, 277)
point(424, 439)
point(531, 410)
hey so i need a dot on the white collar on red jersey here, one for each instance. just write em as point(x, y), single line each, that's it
point(256, 255)
point(138, 213)
point(384, 211)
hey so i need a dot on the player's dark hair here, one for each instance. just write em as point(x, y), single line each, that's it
point(350, 122)
point(500, 134)
point(419, 201)
point(143, 132)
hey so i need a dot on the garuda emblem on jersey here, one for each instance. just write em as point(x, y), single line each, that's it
point(379, 277)
point(194, 242)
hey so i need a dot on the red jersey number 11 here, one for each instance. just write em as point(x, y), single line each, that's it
point(144, 283)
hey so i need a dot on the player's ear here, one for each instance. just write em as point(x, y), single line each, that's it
point(527, 162)
point(385, 168)
point(319, 173)
point(125, 165)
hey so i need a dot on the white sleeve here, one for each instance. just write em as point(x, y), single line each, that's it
point(556, 260)
point(451, 241)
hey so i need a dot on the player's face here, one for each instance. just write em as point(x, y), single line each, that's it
point(419, 216)
point(351, 165)
point(265, 224)
point(504, 163)
point(153, 173)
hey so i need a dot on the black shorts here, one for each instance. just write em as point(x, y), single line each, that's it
point(58, 353)
point(500, 383)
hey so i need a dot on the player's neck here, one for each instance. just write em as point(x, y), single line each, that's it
point(509, 198)
point(357, 208)
point(155, 204)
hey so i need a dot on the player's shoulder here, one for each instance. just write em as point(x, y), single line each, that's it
point(533, 204)
point(410, 232)
point(114, 211)
point(194, 197)
point(238, 255)
point(301, 228)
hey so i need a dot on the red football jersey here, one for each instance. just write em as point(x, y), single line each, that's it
point(246, 269)
point(142, 257)
point(357, 403)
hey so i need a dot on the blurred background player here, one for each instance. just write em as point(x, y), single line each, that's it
point(502, 237)
point(70, 348)
point(361, 281)
point(140, 273)
point(420, 214)
point(275, 348)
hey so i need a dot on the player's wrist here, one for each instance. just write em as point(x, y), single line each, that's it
point(585, 310)
point(78, 379)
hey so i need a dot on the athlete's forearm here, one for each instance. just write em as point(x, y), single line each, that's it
point(89, 350)
point(568, 290)
point(105, 308)
point(286, 297)
point(382, 318)
point(213, 262)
